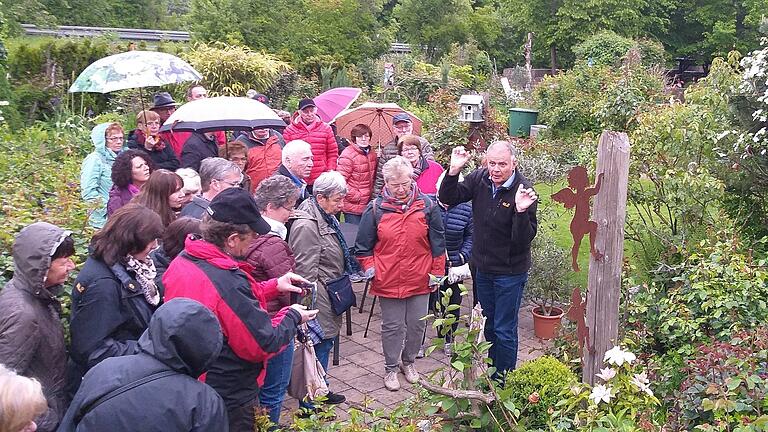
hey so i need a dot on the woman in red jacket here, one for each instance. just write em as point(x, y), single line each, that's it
point(401, 244)
point(357, 163)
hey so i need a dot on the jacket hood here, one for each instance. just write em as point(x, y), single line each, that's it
point(184, 335)
point(100, 141)
point(32, 251)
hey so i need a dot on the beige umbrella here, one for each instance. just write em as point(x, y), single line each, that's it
point(377, 116)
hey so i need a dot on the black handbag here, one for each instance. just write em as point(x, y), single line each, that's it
point(340, 293)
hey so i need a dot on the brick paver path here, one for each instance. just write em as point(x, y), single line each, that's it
point(360, 371)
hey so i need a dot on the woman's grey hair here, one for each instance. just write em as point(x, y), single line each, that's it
point(191, 179)
point(278, 190)
point(329, 183)
point(396, 167)
point(215, 168)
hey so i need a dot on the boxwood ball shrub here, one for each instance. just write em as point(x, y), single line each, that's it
point(545, 376)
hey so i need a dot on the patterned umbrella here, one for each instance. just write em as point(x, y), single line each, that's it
point(331, 102)
point(378, 116)
point(222, 113)
point(133, 69)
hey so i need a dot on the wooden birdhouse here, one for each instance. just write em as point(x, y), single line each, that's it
point(471, 108)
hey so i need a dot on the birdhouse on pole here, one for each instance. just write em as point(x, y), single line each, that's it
point(471, 106)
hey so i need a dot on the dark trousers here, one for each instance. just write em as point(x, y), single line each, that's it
point(436, 298)
point(242, 418)
point(500, 297)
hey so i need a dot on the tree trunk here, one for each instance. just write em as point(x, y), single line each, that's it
point(553, 59)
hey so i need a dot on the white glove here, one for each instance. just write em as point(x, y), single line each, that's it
point(457, 274)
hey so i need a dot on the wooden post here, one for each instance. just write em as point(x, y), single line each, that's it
point(604, 286)
point(528, 74)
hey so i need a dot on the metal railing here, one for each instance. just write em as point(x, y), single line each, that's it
point(122, 33)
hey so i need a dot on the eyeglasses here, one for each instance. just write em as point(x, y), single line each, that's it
point(231, 184)
point(409, 150)
point(116, 138)
point(403, 128)
point(153, 123)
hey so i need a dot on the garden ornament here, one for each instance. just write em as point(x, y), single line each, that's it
point(577, 194)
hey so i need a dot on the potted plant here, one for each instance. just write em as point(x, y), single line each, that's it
point(547, 285)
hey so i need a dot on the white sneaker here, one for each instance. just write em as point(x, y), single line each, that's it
point(411, 375)
point(391, 382)
point(448, 349)
point(420, 353)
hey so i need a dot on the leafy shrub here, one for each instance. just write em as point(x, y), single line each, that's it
point(231, 70)
point(622, 400)
point(38, 182)
point(590, 99)
point(726, 384)
point(717, 289)
point(547, 285)
point(536, 387)
point(607, 48)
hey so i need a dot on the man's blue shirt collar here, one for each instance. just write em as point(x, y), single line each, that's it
point(507, 184)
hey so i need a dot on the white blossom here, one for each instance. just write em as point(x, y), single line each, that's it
point(641, 382)
point(606, 374)
point(601, 393)
point(618, 357)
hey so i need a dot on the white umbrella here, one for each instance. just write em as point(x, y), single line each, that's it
point(222, 113)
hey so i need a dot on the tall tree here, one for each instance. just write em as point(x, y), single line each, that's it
point(434, 25)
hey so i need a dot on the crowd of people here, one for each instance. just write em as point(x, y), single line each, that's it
point(185, 313)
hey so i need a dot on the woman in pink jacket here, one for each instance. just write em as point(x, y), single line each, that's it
point(357, 164)
point(425, 171)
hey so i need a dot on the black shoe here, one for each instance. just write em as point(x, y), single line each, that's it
point(334, 398)
point(305, 413)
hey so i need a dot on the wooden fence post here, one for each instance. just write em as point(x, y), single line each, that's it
point(604, 286)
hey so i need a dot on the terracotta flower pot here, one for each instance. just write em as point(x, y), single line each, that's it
point(546, 326)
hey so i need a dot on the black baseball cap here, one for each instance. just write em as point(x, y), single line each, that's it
point(261, 98)
point(306, 103)
point(237, 206)
point(401, 117)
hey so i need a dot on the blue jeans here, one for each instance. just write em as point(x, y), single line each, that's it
point(276, 381)
point(323, 352)
point(500, 297)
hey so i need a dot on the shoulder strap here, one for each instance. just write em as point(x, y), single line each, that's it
point(120, 390)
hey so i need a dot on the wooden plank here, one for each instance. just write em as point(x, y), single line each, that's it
point(604, 286)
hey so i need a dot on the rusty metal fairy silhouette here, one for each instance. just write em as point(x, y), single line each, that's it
point(578, 194)
point(576, 313)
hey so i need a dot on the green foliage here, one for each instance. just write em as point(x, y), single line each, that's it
point(621, 400)
point(607, 48)
point(725, 387)
point(717, 289)
point(536, 386)
point(680, 183)
point(294, 29)
point(547, 285)
point(433, 24)
point(590, 99)
point(38, 173)
point(232, 70)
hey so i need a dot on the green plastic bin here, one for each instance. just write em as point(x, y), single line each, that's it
point(520, 121)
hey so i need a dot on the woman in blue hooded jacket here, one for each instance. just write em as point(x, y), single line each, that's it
point(96, 172)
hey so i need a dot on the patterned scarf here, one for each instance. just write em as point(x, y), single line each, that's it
point(333, 223)
point(420, 167)
point(404, 203)
point(145, 275)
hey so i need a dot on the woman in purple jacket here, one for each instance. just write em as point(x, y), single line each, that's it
point(130, 171)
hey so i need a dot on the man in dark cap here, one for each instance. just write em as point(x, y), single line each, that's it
point(165, 106)
point(307, 126)
point(403, 125)
point(210, 271)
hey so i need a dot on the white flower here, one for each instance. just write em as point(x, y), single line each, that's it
point(606, 374)
point(617, 356)
point(641, 382)
point(601, 393)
